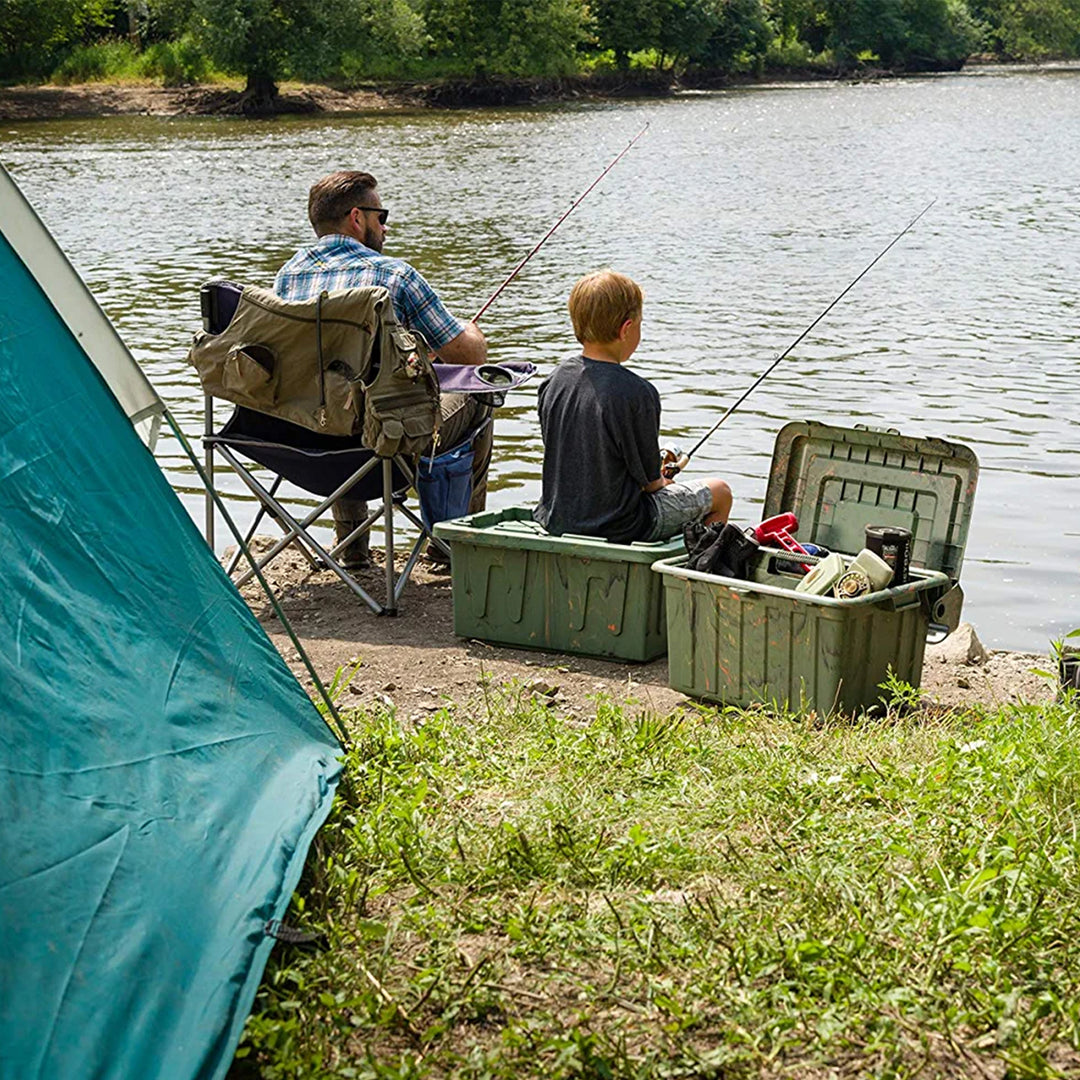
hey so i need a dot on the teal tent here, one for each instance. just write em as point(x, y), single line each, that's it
point(161, 771)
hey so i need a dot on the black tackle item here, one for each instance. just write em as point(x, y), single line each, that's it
point(893, 544)
point(724, 550)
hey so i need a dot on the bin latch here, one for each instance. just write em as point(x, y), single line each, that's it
point(944, 613)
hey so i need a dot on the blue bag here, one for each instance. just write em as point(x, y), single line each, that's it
point(444, 484)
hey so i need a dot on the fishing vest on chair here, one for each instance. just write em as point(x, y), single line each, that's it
point(338, 364)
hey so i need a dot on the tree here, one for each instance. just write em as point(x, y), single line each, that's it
point(739, 38)
point(36, 34)
point(918, 35)
point(626, 26)
point(266, 40)
point(507, 37)
point(1030, 29)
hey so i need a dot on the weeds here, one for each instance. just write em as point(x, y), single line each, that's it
point(509, 893)
point(174, 63)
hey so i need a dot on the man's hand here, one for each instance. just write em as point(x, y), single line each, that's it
point(469, 347)
point(656, 485)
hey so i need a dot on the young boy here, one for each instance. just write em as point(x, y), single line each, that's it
point(601, 428)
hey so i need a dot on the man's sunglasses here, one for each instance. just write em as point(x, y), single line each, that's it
point(381, 211)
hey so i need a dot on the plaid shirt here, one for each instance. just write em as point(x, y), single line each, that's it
point(340, 262)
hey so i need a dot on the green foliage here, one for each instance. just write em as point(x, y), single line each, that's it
point(35, 35)
point(506, 37)
point(168, 20)
point(626, 26)
point(108, 59)
point(720, 35)
point(179, 63)
point(913, 34)
point(1030, 29)
point(267, 40)
point(739, 38)
point(393, 39)
point(514, 891)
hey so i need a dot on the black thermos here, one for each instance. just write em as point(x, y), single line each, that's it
point(894, 546)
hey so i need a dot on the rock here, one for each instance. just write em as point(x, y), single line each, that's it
point(964, 683)
point(962, 646)
point(541, 688)
point(390, 687)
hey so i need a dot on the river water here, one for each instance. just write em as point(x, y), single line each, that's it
point(742, 213)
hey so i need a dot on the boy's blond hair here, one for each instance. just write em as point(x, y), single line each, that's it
point(601, 302)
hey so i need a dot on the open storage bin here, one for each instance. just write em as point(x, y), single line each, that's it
point(741, 642)
point(515, 584)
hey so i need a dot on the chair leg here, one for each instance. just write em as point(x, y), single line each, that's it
point(388, 527)
point(260, 514)
point(403, 577)
point(294, 531)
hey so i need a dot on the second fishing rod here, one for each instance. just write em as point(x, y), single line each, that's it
point(544, 239)
point(673, 463)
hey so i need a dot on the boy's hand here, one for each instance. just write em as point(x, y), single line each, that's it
point(672, 462)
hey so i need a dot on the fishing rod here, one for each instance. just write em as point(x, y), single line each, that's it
point(673, 465)
point(573, 206)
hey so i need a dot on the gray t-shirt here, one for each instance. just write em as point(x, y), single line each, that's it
point(601, 429)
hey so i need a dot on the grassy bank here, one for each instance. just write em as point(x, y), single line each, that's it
point(509, 889)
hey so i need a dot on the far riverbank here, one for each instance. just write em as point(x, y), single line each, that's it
point(46, 102)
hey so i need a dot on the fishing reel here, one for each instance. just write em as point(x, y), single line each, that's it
point(672, 461)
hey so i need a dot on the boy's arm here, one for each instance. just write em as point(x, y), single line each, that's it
point(656, 485)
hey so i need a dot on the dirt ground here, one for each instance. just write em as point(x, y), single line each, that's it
point(93, 99)
point(414, 660)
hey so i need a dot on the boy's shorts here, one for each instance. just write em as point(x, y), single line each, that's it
point(676, 506)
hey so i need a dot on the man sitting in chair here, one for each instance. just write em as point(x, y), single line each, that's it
point(350, 221)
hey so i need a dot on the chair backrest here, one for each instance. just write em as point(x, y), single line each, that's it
point(218, 300)
point(303, 361)
point(338, 364)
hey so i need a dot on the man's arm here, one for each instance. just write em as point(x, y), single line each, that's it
point(469, 347)
point(452, 339)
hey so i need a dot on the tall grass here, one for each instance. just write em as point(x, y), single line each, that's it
point(173, 63)
point(512, 891)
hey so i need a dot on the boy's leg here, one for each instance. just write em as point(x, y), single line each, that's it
point(721, 501)
point(680, 503)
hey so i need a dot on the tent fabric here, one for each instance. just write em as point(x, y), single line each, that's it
point(75, 304)
point(162, 773)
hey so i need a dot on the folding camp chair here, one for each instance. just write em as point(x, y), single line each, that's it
point(335, 467)
point(328, 466)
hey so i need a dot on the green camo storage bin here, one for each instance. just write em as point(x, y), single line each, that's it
point(514, 584)
point(741, 642)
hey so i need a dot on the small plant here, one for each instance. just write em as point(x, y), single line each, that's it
point(899, 697)
point(1067, 659)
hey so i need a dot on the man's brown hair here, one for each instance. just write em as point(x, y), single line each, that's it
point(601, 302)
point(332, 197)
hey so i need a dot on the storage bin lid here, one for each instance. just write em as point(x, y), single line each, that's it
point(513, 527)
point(836, 481)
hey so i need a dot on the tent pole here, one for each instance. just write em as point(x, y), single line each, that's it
point(208, 429)
point(337, 728)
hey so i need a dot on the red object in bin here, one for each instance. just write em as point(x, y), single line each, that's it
point(776, 532)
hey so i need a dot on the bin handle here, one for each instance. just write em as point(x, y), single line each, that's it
point(911, 599)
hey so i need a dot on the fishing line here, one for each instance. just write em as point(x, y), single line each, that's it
point(573, 206)
point(673, 466)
